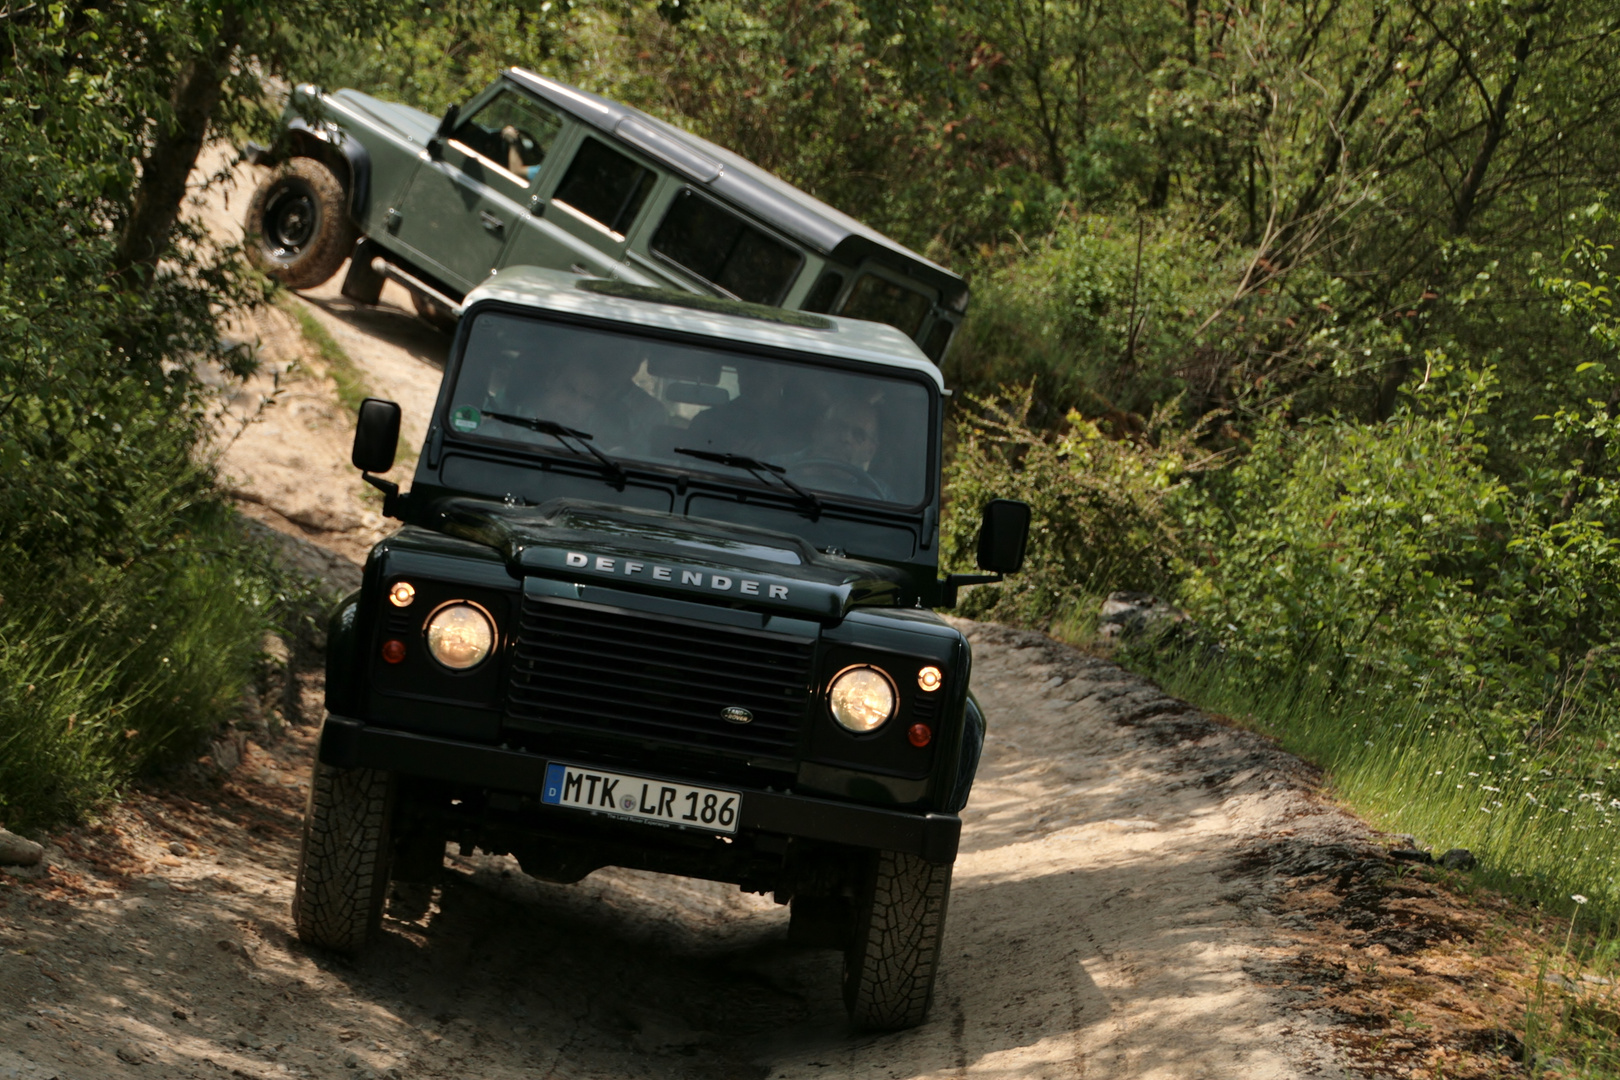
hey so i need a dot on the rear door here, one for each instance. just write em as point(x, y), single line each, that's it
point(461, 211)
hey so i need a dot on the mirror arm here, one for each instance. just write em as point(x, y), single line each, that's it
point(953, 582)
point(390, 492)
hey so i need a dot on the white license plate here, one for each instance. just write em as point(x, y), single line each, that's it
point(641, 798)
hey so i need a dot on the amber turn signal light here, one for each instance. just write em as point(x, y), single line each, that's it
point(393, 650)
point(920, 735)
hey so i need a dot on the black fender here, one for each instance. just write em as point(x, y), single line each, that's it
point(967, 763)
point(342, 657)
point(337, 150)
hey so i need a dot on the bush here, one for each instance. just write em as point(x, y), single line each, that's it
point(109, 671)
point(1102, 506)
point(1388, 557)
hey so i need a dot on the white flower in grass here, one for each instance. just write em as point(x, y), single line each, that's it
point(1578, 898)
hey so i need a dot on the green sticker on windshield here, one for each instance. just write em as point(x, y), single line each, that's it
point(466, 418)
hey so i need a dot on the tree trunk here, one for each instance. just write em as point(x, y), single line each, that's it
point(162, 189)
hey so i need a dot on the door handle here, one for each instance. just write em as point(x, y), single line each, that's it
point(491, 222)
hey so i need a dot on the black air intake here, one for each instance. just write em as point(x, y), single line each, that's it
point(606, 670)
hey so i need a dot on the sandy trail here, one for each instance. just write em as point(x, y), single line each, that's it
point(1100, 927)
point(1102, 921)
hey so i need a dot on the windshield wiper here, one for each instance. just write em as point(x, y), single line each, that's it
point(563, 435)
point(760, 469)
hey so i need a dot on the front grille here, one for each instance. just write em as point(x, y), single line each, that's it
point(606, 670)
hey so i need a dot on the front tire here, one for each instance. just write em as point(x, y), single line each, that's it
point(893, 957)
point(343, 864)
point(298, 228)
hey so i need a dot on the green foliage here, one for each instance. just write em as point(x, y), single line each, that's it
point(106, 672)
point(1542, 826)
point(132, 610)
point(1102, 507)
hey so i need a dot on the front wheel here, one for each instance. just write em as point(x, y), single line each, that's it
point(298, 228)
point(893, 957)
point(343, 864)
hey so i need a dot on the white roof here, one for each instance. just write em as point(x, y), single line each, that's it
point(847, 339)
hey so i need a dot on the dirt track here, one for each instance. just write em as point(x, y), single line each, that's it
point(1105, 910)
point(1099, 927)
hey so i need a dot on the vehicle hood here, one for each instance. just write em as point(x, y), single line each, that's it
point(413, 124)
point(690, 558)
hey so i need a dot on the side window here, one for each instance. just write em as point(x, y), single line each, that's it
point(605, 186)
point(881, 300)
point(826, 291)
point(511, 131)
point(710, 241)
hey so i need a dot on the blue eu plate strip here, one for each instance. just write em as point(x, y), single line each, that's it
point(554, 784)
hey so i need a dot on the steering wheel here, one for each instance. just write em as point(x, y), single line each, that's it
point(864, 482)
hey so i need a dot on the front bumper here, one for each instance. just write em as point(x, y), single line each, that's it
point(352, 744)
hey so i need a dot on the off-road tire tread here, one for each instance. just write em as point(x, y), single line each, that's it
point(891, 963)
point(343, 863)
point(335, 236)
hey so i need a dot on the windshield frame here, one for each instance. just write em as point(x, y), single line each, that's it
point(683, 477)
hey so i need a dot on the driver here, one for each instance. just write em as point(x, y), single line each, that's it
point(845, 440)
point(847, 432)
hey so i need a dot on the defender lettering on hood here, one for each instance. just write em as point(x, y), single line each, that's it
point(615, 565)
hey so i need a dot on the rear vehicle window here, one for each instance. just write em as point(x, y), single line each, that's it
point(939, 336)
point(711, 242)
point(605, 186)
point(881, 300)
point(512, 132)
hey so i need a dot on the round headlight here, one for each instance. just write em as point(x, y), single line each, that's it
point(861, 698)
point(460, 635)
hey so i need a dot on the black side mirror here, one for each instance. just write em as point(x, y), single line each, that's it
point(376, 436)
point(1003, 536)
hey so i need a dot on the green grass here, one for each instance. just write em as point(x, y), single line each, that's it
point(1543, 824)
point(351, 382)
point(109, 671)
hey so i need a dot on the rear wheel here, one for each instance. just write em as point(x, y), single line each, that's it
point(893, 956)
point(298, 228)
point(343, 864)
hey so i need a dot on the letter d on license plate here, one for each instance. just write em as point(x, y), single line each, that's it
point(641, 798)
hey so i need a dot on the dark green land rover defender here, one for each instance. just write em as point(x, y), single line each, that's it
point(662, 600)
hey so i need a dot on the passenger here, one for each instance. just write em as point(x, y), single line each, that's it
point(594, 390)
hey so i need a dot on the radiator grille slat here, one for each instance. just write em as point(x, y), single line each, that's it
point(604, 670)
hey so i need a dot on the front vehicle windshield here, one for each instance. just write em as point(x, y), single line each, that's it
point(833, 431)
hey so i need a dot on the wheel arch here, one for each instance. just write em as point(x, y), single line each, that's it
point(345, 155)
point(342, 656)
point(967, 765)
